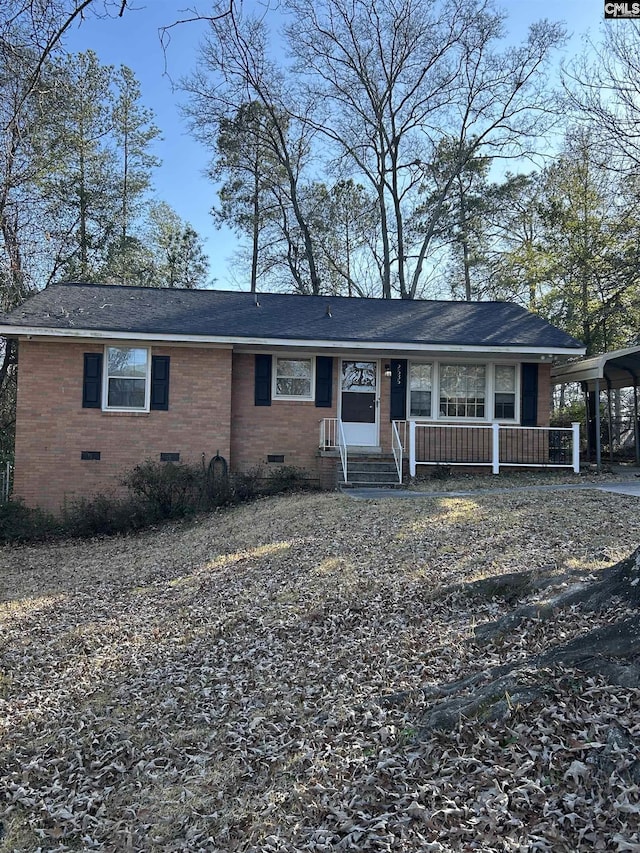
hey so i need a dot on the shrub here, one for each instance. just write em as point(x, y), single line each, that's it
point(440, 472)
point(157, 491)
point(19, 523)
point(246, 485)
point(573, 412)
point(172, 489)
point(104, 515)
point(287, 478)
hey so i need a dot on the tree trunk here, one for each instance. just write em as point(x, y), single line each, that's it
point(610, 650)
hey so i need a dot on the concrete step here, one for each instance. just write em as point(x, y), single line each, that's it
point(381, 468)
point(363, 472)
point(351, 485)
point(372, 476)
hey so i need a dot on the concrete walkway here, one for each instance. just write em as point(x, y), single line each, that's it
point(621, 486)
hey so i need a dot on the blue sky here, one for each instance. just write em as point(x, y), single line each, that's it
point(134, 40)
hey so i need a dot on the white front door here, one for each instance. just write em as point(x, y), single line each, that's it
point(359, 402)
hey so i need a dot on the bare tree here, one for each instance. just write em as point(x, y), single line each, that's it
point(235, 69)
point(392, 79)
point(603, 87)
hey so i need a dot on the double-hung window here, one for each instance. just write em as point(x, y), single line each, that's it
point(420, 390)
point(463, 390)
point(293, 379)
point(127, 378)
point(504, 404)
point(450, 391)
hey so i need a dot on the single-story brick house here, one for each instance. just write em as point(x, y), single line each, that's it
point(109, 376)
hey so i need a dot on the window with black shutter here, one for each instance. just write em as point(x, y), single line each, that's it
point(92, 381)
point(262, 395)
point(128, 384)
point(160, 382)
point(529, 415)
point(324, 382)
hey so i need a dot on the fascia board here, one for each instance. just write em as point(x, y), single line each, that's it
point(584, 371)
point(590, 368)
point(298, 343)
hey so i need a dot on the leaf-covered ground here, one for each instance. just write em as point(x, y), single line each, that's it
point(256, 681)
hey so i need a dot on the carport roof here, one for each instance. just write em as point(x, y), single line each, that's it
point(618, 369)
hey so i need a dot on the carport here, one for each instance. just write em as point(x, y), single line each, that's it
point(597, 373)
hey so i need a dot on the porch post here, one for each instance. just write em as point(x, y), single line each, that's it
point(636, 425)
point(412, 448)
point(598, 436)
point(576, 447)
point(495, 442)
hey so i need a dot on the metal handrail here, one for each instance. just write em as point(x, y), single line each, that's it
point(342, 447)
point(396, 446)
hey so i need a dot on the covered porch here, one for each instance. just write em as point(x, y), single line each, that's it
point(420, 443)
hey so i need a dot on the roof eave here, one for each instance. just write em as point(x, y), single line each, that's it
point(300, 343)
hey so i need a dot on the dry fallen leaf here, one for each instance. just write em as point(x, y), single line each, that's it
point(255, 681)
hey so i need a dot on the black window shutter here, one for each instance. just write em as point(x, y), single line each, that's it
point(324, 381)
point(398, 393)
point(92, 381)
point(160, 382)
point(263, 380)
point(529, 414)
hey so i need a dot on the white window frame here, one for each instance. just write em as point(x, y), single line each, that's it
point(465, 418)
point(105, 381)
point(299, 398)
point(516, 394)
point(431, 364)
point(490, 373)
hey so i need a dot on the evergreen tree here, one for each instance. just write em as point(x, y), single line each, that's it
point(79, 181)
point(592, 235)
point(179, 259)
point(133, 133)
point(250, 175)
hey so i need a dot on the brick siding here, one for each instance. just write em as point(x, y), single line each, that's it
point(211, 409)
point(288, 428)
point(544, 394)
point(52, 428)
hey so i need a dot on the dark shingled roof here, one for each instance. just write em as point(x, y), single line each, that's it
point(230, 314)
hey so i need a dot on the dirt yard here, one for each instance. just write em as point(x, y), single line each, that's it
point(258, 681)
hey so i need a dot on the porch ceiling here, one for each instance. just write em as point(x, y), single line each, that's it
point(618, 369)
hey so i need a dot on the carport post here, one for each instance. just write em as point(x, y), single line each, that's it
point(610, 419)
point(636, 425)
point(598, 436)
point(587, 420)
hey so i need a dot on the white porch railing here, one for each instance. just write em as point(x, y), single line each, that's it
point(328, 433)
point(493, 445)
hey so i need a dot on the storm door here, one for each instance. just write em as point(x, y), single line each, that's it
point(359, 402)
